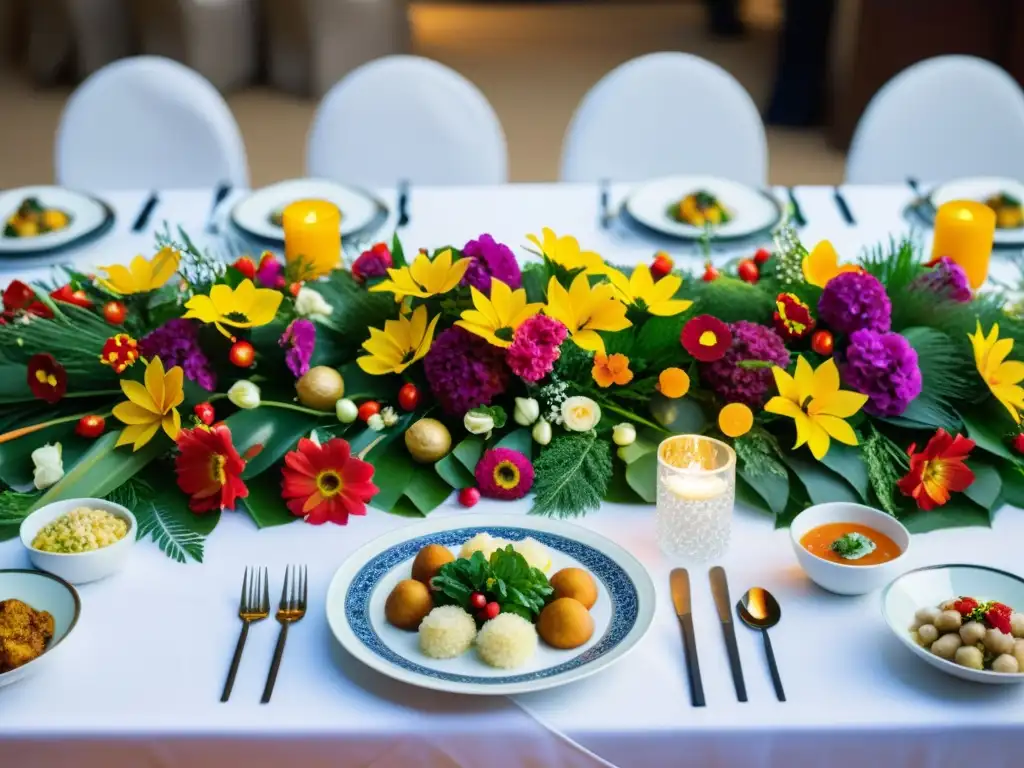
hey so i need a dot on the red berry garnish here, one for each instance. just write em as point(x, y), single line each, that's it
point(998, 619)
point(468, 497)
point(477, 601)
point(294, 289)
point(242, 354)
point(90, 426)
point(368, 409)
point(823, 343)
point(1018, 443)
point(205, 413)
point(246, 266)
point(748, 271)
point(114, 312)
point(710, 273)
point(491, 610)
point(662, 265)
point(762, 255)
point(965, 605)
point(408, 397)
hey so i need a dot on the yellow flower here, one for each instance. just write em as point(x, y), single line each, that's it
point(243, 307)
point(585, 310)
point(735, 419)
point(425, 278)
point(141, 275)
point(565, 252)
point(151, 406)
point(1002, 376)
point(496, 318)
point(641, 291)
point(814, 401)
point(399, 345)
point(822, 264)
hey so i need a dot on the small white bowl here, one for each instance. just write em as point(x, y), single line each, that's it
point(936, 584)
point(44, 592)
point(78, 567)
point(848, 579)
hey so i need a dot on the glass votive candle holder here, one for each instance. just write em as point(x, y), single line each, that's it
point(696, 494)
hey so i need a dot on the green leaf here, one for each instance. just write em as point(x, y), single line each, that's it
point(682, 416)
point(619, 490)
point(164, 516)
point(642, 476)
point(360, 385)
point(397, 251)
point(958, 512)
point(426, 490)
point(1013, 484)
point(453, 472)
point(926, 413)
point(658, 340)
point(277, 429)
point(745, 494)
point(393, 472)
point(772, 488)
point(405, 508)
point(847, 462)
point(822, 484)
point(987, 435)
point(14, 384)
point(264, 503)
point(535, 282)
point(572, 475)
point(495, 412)
point(14, 508)
point(354, 309)
point(468, 452)
point(987, 484)
point(517, 440)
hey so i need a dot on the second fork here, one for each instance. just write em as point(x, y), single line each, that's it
point(291, 609)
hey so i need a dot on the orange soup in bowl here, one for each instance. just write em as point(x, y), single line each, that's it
point(850, 544)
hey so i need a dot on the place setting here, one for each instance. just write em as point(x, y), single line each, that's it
point(991, 202)
point(42, 221)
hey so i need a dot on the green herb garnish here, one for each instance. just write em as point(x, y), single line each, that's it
point(853, 546)
point(506, 579)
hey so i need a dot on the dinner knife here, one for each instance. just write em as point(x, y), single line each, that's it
point(679, 580)
point(720, 590)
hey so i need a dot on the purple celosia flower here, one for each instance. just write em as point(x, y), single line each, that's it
point(854, 300)
point(372, 263)
point(504, 474)
point(736, 384)
point(490, 259)
point(299, 339)
point(882, 366)
point(176, 342)
point(464, 371)
point(535, 348)
point(270, 273)
point(946, 278)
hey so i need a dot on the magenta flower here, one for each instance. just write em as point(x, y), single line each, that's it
point(535, 348)
point(299, 339)
point(735, 383)
point(372, 263)
point(176, 342)
point(884, 367)
point(490, 259)
point(854, 300)
point(947, 279)
point(464, 371)
point(270, 273)
point(504, 474)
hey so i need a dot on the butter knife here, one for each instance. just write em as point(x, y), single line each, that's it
point(679, 580)
point(720, 590)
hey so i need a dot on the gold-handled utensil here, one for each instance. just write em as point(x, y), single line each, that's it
point(253, 606)
point(291, 609)
point(760, 611)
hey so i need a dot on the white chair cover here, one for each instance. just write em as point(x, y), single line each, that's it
point(406, 117)
point(148, 122)
point(941, 119)
point(665, 114)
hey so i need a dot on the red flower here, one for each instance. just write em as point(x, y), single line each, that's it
point(372, 263)
point(70, 296)
point(792, 317)
point(120, 352)
point(325, 482)
point(706, 338)
point(938, 470)
point(47, 378)
point(20, 297)
point(209, 469)
point(965, 606)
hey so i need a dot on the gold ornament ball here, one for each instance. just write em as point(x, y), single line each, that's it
point(428, 440)
point(320, 388)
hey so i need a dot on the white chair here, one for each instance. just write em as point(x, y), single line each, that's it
point(941, 119)
point(406, 118)
point(148, 122)
point(665, 114)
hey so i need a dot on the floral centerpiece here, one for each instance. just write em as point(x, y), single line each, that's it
point(186, 388)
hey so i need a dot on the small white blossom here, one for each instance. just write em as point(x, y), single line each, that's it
point(244, 394)
point(309, 303)
point(49, 465)
point(526, 412)
point(375, 422)
point(389, 416)
point(346, 410)
point(478, 423)
point(541, 432)
point(624, 434)
point(580, 414)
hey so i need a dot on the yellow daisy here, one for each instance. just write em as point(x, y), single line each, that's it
point(496, 318)
point(1002, 376)
point(151, 405)
point(655, 298)
point(585, 310)
point(243, 307)
point(565, 252)
point(399, 345)
point(425, 277)
point(142, 274)
point(822, 264)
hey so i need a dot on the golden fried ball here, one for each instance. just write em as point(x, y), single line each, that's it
point(320, 388)
point(429, 561)
point(565, 624)
point(428, 440)
point(577, 584)
point(407, 604)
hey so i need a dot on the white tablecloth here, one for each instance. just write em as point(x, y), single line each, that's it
point(139, 681)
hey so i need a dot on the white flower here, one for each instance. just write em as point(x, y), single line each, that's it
point(49, 466)
point(389, 416)
point(541, 432)
point(309, 303)
point(624, 434)
point(244, 394)
point(580, 414)
point(346, 410)
point(375, 422)
point(478, 422)
point(527, 411)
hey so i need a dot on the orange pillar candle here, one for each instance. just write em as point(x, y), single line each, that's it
point(312, 238)
point(964, 230)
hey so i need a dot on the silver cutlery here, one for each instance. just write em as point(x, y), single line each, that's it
point(760, 611)
point(679, 581)
point(720, 590)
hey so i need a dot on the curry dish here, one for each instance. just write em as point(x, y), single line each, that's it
point(24, 634)
point(32, 219)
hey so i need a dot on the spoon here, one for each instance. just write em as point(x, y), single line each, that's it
point(759, 610)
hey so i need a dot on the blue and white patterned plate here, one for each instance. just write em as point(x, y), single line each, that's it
point(355, 605)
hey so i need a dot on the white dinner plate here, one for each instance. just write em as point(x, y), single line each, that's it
point(752, 210)
point(932, 585)
point(252, 214)
point(43, 592)
point(356, 596)
point(980, 189)
point(88, 216)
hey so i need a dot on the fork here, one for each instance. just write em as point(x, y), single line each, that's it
point(292, 609)
point(254, 606)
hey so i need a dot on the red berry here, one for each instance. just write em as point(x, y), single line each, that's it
point(205, 413)
point(90, 426)
point(662, 265)
point(242, 354)
point(294, 289)
point(1018, 443)
point(477, 601)
point(710, 273)
point(823, 343)
point(246, 266)
point(408, 397)
point(368, 409)
point(114, 312)
point(762, 255)
point(748, 271)
point(468, 497)
point(491, 610)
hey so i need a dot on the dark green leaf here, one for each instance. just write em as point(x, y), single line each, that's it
point(426, 490)
point(822, 484)
point(1013, 484)
point(360, 385)
point(958, 512)
point(535, 281)
point(682, 416)
point(986, 434)
point(658, 341)
point(454, 473)
point(393, 471)
point(162, 513)
point(642, 476)
point(986, 486)
point(619, 490)
point(468, 452)
point(772, 488)
point(397, 251)
point(847, 462)
point(517, 440)
point(264, 502)
point(747, 495)
point(405, 508)
point(277, 429)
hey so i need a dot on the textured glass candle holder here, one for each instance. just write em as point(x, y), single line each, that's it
point(696, 494)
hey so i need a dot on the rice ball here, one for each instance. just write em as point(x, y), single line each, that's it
point(507, 641)
point(535, 553)
point(484, 543)
point(446, 632)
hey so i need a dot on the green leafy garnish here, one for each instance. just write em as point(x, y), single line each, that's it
point(853, 546)
point(506, 579)
point(572, 476)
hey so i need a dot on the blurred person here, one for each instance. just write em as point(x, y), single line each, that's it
point(798, 98)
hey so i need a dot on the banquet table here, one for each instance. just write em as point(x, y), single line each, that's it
point(139, 681)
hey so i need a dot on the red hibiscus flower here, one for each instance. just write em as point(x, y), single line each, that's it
point(372, 263)
point(938, 471)
point(47, 378)
point(792, 317)
point(209, 468)
point(19, 297)
point(70, 296)
point(324, 483)
point(706, 338)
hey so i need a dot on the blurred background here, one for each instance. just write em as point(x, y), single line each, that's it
point(810, 65)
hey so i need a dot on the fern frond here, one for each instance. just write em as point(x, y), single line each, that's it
point(572, 476)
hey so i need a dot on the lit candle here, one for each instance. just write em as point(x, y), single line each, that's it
point(312, 238)
point(964, 230)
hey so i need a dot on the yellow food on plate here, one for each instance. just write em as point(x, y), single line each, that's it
point(507, 641)
point(482, 542)
point(407, 604)
point(447, 632)
point(32, 218)
point(24, 633)
point(699, 209)
point(565, 623)
point(535, 553)
point(429, 561)
point(1008, 210)
point(577, 584)
point(80, 530)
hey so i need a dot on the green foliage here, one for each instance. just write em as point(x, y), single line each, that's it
point(658, 341)
point(988, 427)
point(535, 281)
point(14, 507)
point(760, 467)
point(895, 265)
point(847, 462)
point(886, 463)
point(958, 512)
point(276, 429)
point(574, 364)
point(678, 415)
point(506, 578)
point(987, 485)
point(852, 546)
point(943, 363)
point(822, 484)
point(572, 476)
point(642, 476)
point(730, 300)
point(355, 309)
point(264, 503)
point(517, 440)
